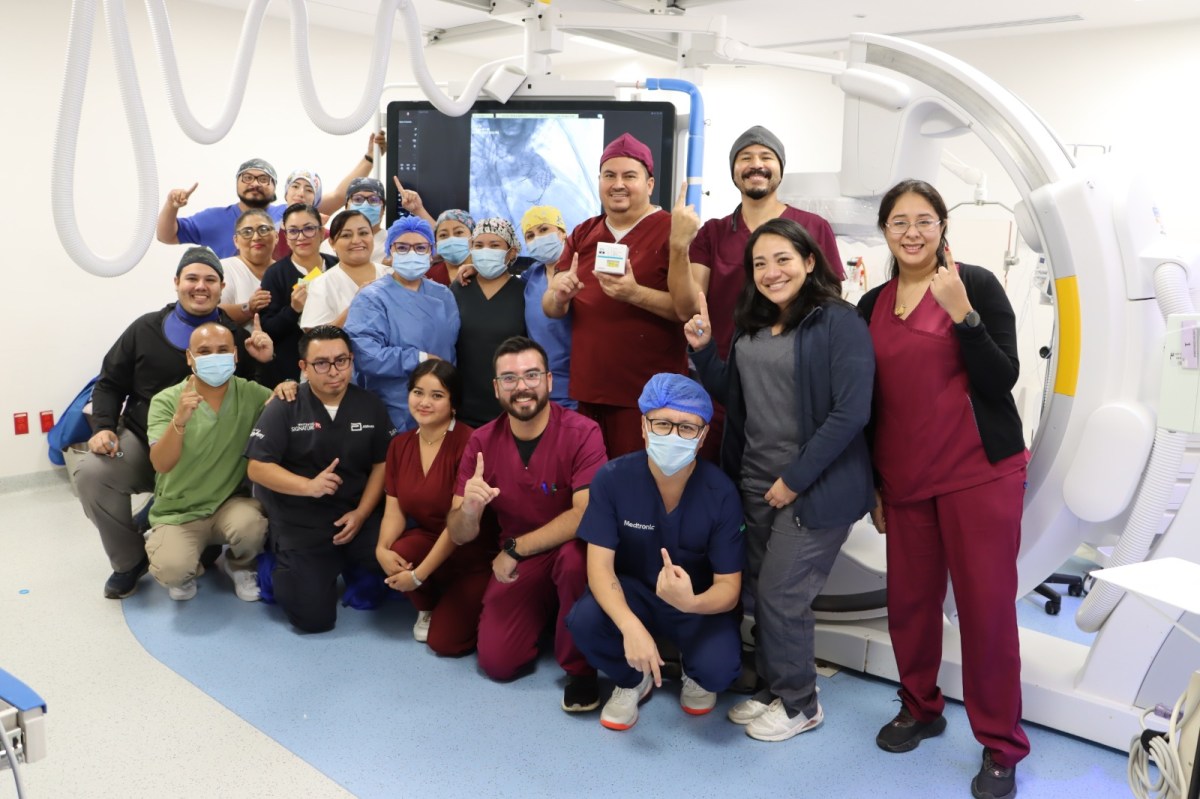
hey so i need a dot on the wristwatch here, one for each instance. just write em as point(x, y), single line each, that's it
point(510, 548)
point(970, 321)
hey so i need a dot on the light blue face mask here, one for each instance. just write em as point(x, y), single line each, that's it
point(490, 263)
point(546, 249)
point(215, 369)
point(454, 250)
point(371, 212)
point(670, 452)
point(411, 265)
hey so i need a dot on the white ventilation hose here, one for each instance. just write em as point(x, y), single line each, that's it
point(1171, 288)
point(79, 45)
point(70, 108)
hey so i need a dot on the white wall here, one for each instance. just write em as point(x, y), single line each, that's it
point(1132, 89)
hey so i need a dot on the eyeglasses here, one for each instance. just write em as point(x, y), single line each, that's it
point(400, 248)
point(532, 378)
point(321, 365)
point(686, 430)
point(262, 180)
point(262, 231)
point(308, 231)
point(369, 199)
point(898, 227)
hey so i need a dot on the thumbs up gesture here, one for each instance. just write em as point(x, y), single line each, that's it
point(698, 329)
point(477, 493)
point(259, 345)
point(675, 585)
point(325, 482)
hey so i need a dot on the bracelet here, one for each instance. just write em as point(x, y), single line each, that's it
point(369, 159)
point(417, 581)
point(178, 429)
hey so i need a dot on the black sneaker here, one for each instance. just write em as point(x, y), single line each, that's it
point(994, 781)
point(581, 694)
point(121, 584)
point(903, 733)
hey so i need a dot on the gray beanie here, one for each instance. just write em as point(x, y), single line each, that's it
point(201, 255)
point(258, 163)
point(757, 135)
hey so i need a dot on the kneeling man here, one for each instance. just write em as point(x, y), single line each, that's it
point(664, 560)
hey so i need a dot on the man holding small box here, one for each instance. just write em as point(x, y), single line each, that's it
point(612, 275)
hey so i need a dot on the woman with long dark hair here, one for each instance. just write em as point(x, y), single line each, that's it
point(950, 452)
point(797, 393)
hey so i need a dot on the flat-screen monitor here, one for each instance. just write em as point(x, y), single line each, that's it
point(499, 159)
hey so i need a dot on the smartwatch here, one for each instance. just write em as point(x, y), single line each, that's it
point(510, 548)
point(970, 321)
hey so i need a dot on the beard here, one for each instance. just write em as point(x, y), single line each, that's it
point(541, 401)
point(758, 192)
point(261, 201)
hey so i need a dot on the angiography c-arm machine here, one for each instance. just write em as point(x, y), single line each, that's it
point(1114, 451)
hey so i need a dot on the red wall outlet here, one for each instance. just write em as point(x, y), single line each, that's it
point(20, 423)
point(47, 420)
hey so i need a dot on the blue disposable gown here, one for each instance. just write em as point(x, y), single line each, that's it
point(390, 327)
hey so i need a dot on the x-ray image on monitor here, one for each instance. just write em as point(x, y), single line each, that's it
point(522, 160)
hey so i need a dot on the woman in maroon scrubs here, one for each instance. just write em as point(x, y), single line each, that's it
point(950, 454)
point(444, 581)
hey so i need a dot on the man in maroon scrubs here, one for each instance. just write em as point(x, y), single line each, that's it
point(532, 466)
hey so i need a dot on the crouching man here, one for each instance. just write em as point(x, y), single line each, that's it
point(197, 431)
point(664, 560)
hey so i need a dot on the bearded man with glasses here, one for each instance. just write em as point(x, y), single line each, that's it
point(213, 227)
point(320, 460)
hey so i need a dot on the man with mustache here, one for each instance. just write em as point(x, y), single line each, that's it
point(710, 260)
point(213, 227)
point(532, 468)
point(624, 326)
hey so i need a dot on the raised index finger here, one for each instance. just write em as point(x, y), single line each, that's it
point(329, 469)
point(399, 185)
point(257, 324)
point(666, 558)
point(703, 303)
point(188, 193)
point(681, 200)
point(479, 465)
point(574, 264)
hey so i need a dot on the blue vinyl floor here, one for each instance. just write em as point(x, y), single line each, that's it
point(384, 717)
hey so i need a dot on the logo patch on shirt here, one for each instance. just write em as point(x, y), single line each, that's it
point(358, 427)
point(306, 427)
point(637, 525)
point(256, 433)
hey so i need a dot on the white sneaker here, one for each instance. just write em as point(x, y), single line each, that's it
point(774, 724)
point(245, 582)
point(694, 699)
point(747, 711)
point(183, 592)
point(621, 710)
point(421, 628)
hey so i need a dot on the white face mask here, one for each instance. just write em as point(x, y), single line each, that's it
point(670, 452)
point(490, 263)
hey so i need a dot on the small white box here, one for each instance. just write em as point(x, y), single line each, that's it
point(611, 258)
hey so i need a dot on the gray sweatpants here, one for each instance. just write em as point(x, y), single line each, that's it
point(788, 565)
point(105, 486)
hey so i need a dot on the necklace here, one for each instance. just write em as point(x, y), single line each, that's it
point(904, 306)
point(434, 441)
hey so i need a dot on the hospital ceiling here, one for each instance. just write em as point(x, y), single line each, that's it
point(802, 26)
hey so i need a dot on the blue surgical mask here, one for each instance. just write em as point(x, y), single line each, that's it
point(371, 212)
point(215, 369)
point(411, 265)
point(490, 263)
point(454, 250)
point(670, 452)
point(546, 249)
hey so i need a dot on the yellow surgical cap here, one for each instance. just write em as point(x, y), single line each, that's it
point(542, 214)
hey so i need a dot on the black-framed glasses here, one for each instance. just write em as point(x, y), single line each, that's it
point(249, 232)
point(664, 427)
point(401, 248)
point(308, 231)
point(341, 362)
point(369, 199)
point(898, 227)
point(531, 378)
point(262, 180)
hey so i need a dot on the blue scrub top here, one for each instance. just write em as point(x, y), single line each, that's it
point(213, 227)
point(704, 534)
point(553, 334)
point(390, 327)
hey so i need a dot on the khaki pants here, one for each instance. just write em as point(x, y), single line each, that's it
point(174, 549)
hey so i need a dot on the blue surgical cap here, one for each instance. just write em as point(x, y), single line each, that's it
point(679, 393)
point(408, 224)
